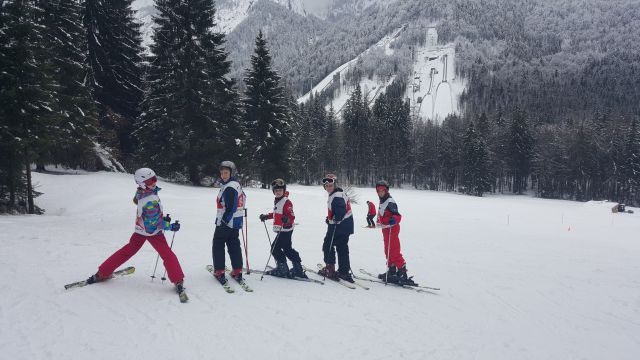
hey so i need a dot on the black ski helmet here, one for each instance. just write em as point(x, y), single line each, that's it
point(229, 165)
point(278, 184)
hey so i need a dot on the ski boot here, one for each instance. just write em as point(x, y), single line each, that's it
point(402, 277)
point(346, 276)
point(329, 271)
point(281, 270)
point(390, 275)
point(297, 271)
point(96, 278)
point(236, 274)
point(219, 275)
point(180, 289)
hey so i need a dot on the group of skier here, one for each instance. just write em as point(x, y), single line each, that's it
point(230, 203)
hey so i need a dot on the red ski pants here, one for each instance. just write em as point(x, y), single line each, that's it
point(390, 234)
point(159, 242)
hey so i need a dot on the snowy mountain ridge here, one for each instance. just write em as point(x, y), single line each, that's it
point(230, 13)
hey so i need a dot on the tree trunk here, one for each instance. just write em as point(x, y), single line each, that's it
point(31, 207)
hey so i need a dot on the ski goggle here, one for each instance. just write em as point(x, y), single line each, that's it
point(151, 181)
point(326, 181)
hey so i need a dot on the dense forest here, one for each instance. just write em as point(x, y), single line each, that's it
point(551, 105)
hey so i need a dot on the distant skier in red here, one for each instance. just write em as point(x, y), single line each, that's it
point(371, 213)
point(150, 225)
point(389, 219)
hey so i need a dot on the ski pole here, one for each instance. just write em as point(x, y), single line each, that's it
point(245, 238)
point(163, 278)
point(154, 268)
point(275, 241)
point(158, 257)
point(265, 229)
point(386, 276)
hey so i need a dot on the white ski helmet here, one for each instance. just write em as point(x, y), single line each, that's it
point(143, 175)
point(229, 165)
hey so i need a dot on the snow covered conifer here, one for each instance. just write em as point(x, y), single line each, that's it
point(190, 118)
point(631, 162)
point(266, 116)
point(475, 172)
point(27, 102)
point(356, 116)
point(76, 118)
point(521, 150)
point(114, 57)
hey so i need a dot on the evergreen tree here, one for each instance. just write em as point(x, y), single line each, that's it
point(582, 162)
point(318, 119)
point(75, 109)
point(631, 163)
point(450, 151)
point(114, 58)
point(333, 145)
point(475, 177)
point(390, 134)
point(304, 147)
point(190, 120)
point(26, 100)
point(266, 116)
point(356, 115)
point(521, 151)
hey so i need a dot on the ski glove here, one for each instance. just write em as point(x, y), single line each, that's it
point(285, 220)
point(392, 221)
point(175, 226)
point(263, 217)
point(326, 220)
point(167, 222)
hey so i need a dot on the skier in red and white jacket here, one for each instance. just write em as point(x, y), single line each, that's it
point(389, 219)
point(283, 224)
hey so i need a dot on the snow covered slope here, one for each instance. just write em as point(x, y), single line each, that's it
point(521, 278)
point(342, 69)
point(433, 88)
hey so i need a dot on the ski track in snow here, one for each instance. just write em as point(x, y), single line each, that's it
point(516, 282)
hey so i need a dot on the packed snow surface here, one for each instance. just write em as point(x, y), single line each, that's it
point(521, 278)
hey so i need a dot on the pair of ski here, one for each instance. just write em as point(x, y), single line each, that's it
point(374, 278)
point(182, 295)
point(227, 287)
point(351, 285)
point(307, 279)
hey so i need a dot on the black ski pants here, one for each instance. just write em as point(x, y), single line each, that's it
point(224, 235)
point(341, 245)
point(283, 249)
point(370, 220)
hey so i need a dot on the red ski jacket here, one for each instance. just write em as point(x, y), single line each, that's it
point(283, 207)
point(372, 209)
